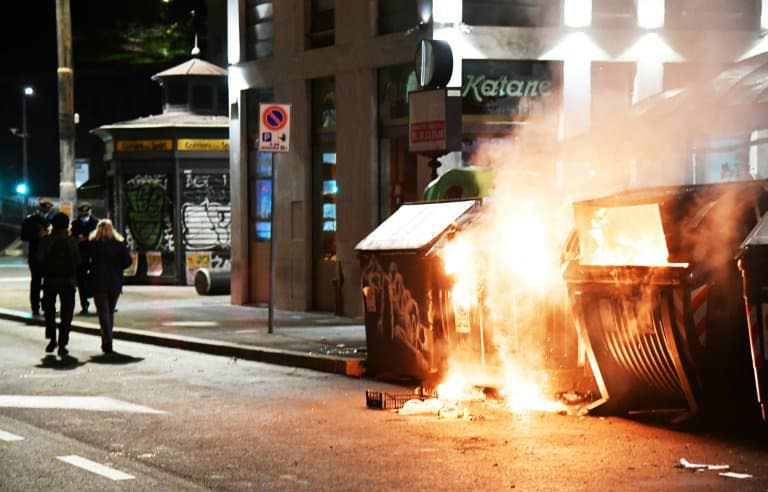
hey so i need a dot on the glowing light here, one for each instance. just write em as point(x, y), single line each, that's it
point(575, 46)
point(577, 13)
point(526, 395)
point(651, 46)
point(764, 14)
point(29, 91)
point(21, 189)
point(456, 388)
point(650, 14)
point(447, 11)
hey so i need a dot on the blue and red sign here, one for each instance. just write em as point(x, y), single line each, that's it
point(274, 117)
point(275, 127)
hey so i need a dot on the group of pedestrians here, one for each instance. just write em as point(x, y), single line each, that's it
point(89, 256)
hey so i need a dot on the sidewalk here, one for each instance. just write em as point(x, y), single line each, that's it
point(177, 317)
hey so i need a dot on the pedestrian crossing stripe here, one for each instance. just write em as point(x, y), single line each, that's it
point(8, 437)
point(92, 403)
point(93, 467)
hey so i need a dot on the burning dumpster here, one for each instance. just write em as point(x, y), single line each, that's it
point(405, 290)
point(753, 263)
point(656, 296)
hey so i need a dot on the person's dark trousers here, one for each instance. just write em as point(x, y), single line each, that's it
point(105, 307)
point(66, 295)
point(82, 289)
point(35, 285)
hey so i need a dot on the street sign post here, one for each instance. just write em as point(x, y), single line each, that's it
point(274, 136)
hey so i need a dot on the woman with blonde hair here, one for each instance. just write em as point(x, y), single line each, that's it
point(106, 258)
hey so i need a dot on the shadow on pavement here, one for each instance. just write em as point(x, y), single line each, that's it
point(64, 364)
point(115, 358)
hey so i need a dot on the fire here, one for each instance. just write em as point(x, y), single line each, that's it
point(631, 235)
point(519, 393)
point(499, 268)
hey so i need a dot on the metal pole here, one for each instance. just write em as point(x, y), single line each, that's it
point(65, 75)
point(272, 259)
point(24, 135)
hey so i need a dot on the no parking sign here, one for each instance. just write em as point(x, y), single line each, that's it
point(274, 127)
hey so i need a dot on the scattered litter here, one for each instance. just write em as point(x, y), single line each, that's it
point(452, 412)
point(390, 401)
point(431, 406)
point(573, 397)
point(696, 466)
point(735, 475)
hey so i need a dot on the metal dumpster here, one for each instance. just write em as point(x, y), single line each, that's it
point(404, 289)
point(753, 264)
point(656, 297)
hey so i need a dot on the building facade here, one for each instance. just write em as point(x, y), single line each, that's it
point(346, 67)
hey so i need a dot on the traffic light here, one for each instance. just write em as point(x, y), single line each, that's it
point(22, 189)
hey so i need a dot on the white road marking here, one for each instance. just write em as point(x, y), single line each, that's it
point(93, 403)
point(94, 467)
point(7, 436)
point(191, 324)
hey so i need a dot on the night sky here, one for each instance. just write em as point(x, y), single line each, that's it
point(117, 47)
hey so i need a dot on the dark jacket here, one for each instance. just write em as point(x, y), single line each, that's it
point(106, 262)
point(59, 257)
point(80, 231)
point(30, 232)
point(80, 228)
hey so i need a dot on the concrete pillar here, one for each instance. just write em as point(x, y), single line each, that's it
point(577, 81)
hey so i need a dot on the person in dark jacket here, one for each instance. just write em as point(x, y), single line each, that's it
point(82, 227)
point(33, 228)
point(108, 256)
point(59, 256)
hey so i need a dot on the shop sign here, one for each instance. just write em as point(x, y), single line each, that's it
point(434, 121)
point(144, 145)
point(202, 145)
point(480, 87)
point(274, 127)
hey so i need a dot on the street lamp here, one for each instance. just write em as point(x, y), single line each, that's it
point(28, 92)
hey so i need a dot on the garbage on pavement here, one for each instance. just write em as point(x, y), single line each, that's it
point(700, 467)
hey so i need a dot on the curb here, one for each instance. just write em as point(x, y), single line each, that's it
point(316, 362)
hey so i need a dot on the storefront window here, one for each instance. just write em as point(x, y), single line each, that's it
point(397, 15)
point(712, 14)
point(260, 31)
point(720, 160)
point(614, 13)
point(321, 23)
point(512, 13)
point(397, 166)
point(324, 184)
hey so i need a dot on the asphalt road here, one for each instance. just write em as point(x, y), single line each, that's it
point(175, 420)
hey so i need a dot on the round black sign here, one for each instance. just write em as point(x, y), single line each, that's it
point(434, 63)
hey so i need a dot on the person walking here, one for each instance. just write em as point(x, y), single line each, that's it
point(59, 256)
point(33, 228)
point(107, 257)
point(81, 229)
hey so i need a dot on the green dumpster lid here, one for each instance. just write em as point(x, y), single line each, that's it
point(415, 225)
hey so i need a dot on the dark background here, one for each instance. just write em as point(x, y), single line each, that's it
point(117, 47)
